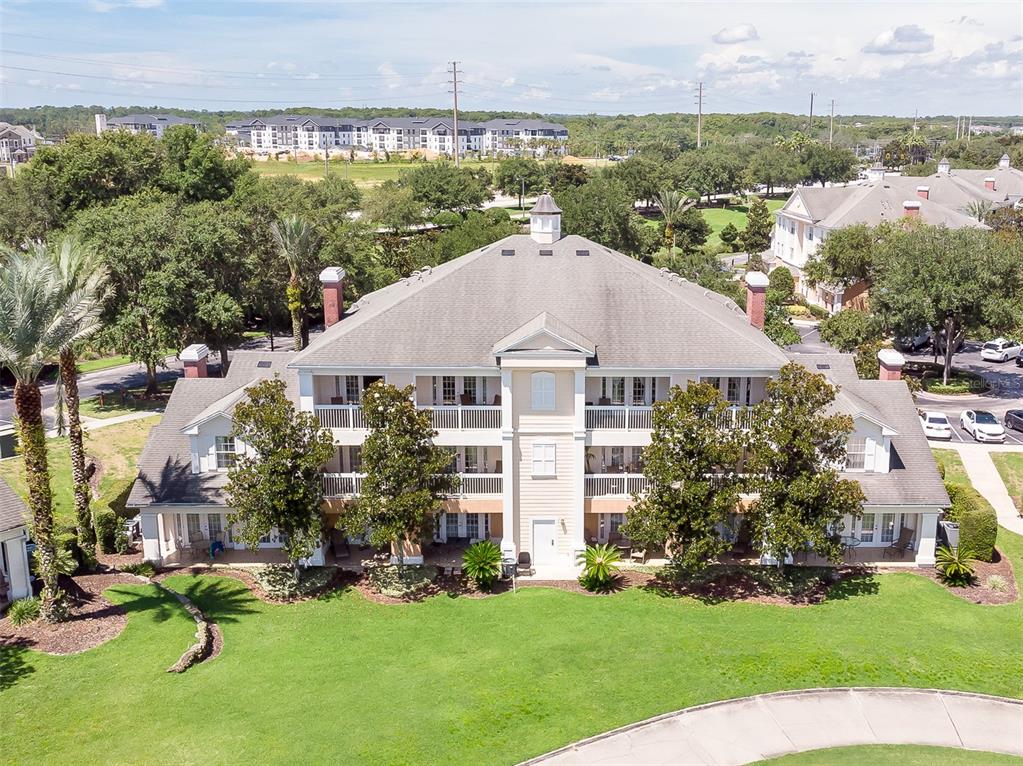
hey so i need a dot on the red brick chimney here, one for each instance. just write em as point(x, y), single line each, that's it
point(891, 363)
point(923, 192)
point(756, 298)
point(194, 359)
point(911, 208)
point(989, 184)
point(333, 280)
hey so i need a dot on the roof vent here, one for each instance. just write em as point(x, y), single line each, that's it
point(507, 252)
point(823, 366)
point(546, 252)
point(582, 252)
point(264, 364)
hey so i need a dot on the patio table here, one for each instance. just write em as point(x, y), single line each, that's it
point(849, 541)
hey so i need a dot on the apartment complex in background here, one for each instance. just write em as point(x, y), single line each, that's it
point(17, 143)
point(942, 199)
point(153, 124)
point(539, 358)
point(311, 133)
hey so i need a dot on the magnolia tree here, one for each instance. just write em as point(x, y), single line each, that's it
point(692, 486)
point(795, 451)
point(406, 475)
point(279, 484)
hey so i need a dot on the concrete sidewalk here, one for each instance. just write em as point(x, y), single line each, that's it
point(751, 729)
point(986, 479)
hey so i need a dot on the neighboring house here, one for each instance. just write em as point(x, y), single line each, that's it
point(15, 575)
point(942, 199)
point(17, 143)
point(154, 124)
point(294, 133)
point(539, 358)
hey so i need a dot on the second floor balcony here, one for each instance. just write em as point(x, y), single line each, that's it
point(444, 417)
point(343, 485)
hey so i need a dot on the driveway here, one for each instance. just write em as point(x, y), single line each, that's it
point(751, 729)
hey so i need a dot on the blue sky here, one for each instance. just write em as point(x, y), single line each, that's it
point(560, 57)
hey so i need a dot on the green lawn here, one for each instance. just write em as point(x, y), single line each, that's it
point(955, 472)
point(719, 217)
point(134, 401)
point(106, 362)
point(460, 680)
point(893, 755)
point(1010, 466)
point(362, 173)
point(116, 447)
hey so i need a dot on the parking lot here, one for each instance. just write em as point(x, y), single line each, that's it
point(1011, 437)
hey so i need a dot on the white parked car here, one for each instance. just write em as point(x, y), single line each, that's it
point(936, 425)
point(1001, 350)
point(982, 426)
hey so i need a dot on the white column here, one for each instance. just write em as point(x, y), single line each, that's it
point(927, 532)
point(509, 534)
point(306, 393)
point(579, 466)
point(17, 560)
point(150, 537)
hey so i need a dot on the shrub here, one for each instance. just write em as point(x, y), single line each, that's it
point(482, 563)
point(121, 542)
point(447, 218)
point(281, 583)
point(497, 215)
point(23, 611)
point(818, 312)
point(953, 565)
point(600, 563)
point(403, 582)
point(106, 530)
point(978, 522)
point(941, 467)
point(997, 583)
point(849, 329)
point(796, 310)
point(781, 283)
point(142, 569)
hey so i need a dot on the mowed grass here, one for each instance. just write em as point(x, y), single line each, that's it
point(111, 405)
point(364, 173)
point(893, 755)
point(116, 448)
point(1010, 466)
point(720, 217)
point(466, 681)
point(106, 362)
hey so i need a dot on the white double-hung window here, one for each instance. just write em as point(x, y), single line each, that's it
point(544, 460)
point(543, 390)
point(226, 454)
point(856, 453)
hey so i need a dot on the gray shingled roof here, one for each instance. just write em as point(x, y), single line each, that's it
point(165, 466)
point(634, 314)
point(913, 479)
point(835, 207)
point(13, 511)
point(152, 119)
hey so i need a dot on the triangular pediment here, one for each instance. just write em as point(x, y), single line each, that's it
point(545, 333)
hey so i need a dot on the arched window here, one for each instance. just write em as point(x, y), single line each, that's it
point(543, 390)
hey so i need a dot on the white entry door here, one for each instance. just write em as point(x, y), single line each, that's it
point(544, 544)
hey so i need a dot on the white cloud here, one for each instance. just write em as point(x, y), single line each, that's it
point(909, 38)
point(105, 6)
point(740, 33)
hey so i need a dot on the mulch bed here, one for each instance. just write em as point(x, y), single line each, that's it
point(979, 592)
point(120, 560)
point(94, 620)
point(340, 579)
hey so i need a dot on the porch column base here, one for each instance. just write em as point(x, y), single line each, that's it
point(150, 537)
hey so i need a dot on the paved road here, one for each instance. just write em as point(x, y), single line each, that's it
point(751, 729)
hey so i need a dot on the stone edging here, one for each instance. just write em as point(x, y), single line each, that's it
point(204, 631)
point(742, 700)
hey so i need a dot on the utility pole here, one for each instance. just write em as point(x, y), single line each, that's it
point(831, 127)
point(809, 124)
point(454, 90)
point(916, 114)
point(699, 115)
point(969, 130)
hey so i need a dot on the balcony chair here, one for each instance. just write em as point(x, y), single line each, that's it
point(497, 400)
point(902, 544)
point(525, 565)
point(467, 400)
point(337, 400)
point(604, 401)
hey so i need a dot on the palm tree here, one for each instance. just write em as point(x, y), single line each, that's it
point(672, 205)
point(977, 209)
point(37, 319)
point(297, 241)
point(83, 278)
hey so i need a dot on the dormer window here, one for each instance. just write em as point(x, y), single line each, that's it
point(856, 453)
point(226, 454)
point(543, 390)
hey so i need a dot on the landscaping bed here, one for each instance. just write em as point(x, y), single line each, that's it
point(94, 619)
point(960, 382)
point(993, 582)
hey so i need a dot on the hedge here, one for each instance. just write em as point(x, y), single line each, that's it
point(978, 522)
point(106, 530)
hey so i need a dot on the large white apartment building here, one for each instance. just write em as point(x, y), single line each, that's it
point(539, 358)
point(153, 124)
point(310, 133)
point(812, 213)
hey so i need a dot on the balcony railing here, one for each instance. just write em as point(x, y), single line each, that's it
point(471, 485)
point(614, 484)
point(736, 417)
point(464, 417)
point(340, 415)
point(619, 417)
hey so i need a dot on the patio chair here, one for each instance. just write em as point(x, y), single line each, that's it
point(638, 554)
point(497, 400)
point(604, 401)
point(337, 400)
point(902, 544)
point(525, 566)
point(467, 400)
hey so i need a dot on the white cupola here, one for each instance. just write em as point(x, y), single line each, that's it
point(944, 166)
point(545, 220)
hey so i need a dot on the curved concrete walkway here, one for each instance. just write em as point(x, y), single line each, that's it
point(751, 729)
